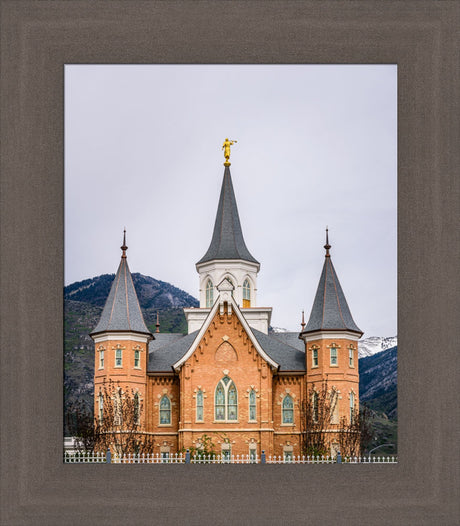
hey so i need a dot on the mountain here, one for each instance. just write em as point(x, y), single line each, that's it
point(375, 344)
point(83, 304)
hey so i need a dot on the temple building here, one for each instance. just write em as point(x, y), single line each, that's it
point(229, 377)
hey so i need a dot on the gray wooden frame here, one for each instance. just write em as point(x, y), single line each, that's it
point(37, 39)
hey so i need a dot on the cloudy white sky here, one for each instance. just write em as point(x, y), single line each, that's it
point(317, 146)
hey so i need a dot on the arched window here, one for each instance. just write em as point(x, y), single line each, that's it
point(288, 410)
point(352, 406)
point(209, 294)
point(226, 400)
point(199, 406)
point(137, 358)
point(246, 294)
point(252, 405)
point(165, 410)
point(136, 408)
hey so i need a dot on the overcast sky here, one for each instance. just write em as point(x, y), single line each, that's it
point(317, 146)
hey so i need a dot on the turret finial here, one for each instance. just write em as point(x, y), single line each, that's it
point(124, 247)
point(158, 323)
point(303, 321)
point(226, 148)
point(327, 246)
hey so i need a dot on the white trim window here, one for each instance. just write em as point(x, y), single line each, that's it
point(252, 406)
point(226, 452)
point(199, 406)
point(101, 358)
point(314, 357)
point(252, 453)
point(351, 356)
point(334, 356)
point(226, 401)
point(117, 408)
point(288, 410)
point(137, 359)
point(314, 406)
point(334, 407)
point(246, 294)
point(137, 409)
point(118, 357)
point(352, 406)
point(209, 294)
point(101, 408)
point(287, 454)
point(165, 411)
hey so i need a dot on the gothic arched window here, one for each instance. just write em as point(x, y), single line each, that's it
point(252, 405)
point(209, 294)
point(288, 410)
point(246, 294)
point(199, 406)
point(165, 410)
point(226, 400)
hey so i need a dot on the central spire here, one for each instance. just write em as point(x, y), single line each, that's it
point(227, 239)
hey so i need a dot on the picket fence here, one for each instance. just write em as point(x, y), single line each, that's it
point(186, 458)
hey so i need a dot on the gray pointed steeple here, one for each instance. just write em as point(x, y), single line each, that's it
point(227, 240)
point(122, 312)
point(330, 309)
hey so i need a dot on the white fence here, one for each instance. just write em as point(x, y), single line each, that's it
point(186, 458)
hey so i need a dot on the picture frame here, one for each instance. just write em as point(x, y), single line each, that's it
point(38, 39)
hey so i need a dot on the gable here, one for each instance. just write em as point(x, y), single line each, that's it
point(228, 309)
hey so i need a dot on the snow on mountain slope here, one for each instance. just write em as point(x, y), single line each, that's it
point(375, 344)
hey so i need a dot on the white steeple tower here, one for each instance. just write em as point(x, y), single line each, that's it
point(228, 258)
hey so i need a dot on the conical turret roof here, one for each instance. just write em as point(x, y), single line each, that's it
point(122, 311)
point(227, 239)
point(330, 310)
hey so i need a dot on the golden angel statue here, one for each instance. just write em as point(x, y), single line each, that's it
point(226, 148)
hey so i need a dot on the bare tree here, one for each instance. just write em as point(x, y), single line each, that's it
point(117, 423)
point(355, 433)
point(321, 425)
point(79, 421)
point(318, 414)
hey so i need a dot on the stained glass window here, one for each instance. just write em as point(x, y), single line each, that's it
point(165, 410)
point(199, 406)
point(252, 405)
point(220, 402)
point(232, 403)
point(288, 410)
point(209, 294)
point(226, 400)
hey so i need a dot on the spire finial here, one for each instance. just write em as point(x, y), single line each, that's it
point(226, 148)
point(124, 247)
point(303, 321)
point(327, 246)
point(158, 323)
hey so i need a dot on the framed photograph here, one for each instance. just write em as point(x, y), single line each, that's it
point(39, 40)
